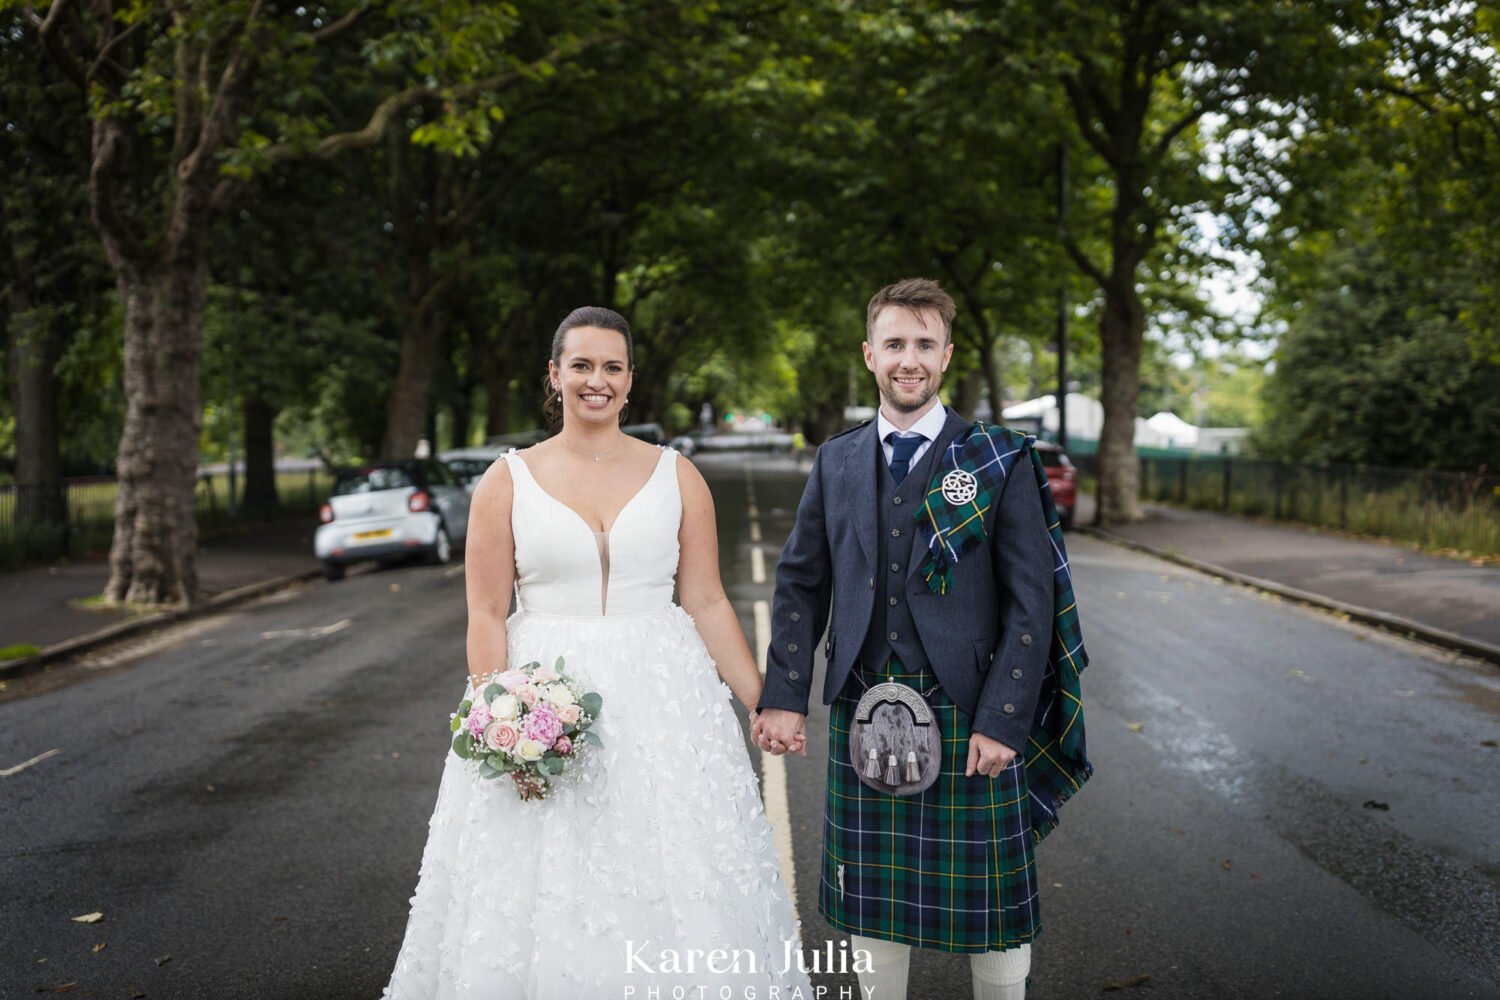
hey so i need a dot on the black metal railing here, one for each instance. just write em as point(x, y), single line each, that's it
point(1436, 510)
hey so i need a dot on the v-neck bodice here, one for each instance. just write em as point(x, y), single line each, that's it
point(565, 567)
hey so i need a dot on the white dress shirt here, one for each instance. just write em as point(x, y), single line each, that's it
point(930, 425)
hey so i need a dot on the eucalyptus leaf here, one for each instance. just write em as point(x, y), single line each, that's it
point(454, 724)
point(461, 746)
point(464, 706)
point(591, 703)
point(493, 691)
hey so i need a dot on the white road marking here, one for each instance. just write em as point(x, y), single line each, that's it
point(7, 772)
point(754, 510)
point(773, 774)
point(757, 565)
point(310, 633)
point(453, 571)
point(762, 633)
point(755, 531)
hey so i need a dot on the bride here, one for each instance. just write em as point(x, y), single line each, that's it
point(654, 867)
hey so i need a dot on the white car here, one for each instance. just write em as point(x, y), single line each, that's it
point(391, 510)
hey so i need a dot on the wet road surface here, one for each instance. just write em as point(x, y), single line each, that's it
point(245, 798)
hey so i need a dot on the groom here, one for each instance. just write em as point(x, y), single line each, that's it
point(937, 545)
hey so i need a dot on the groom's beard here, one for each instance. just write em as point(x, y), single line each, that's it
point(905, 400)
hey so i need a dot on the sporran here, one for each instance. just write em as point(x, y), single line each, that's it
point(894, 741)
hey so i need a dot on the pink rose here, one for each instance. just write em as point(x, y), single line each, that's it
point(543, 725)
point(570, 714)
point(544, 675)
point(528, 695)
point(563, 745)
point(479, 717)
point(511, 679)
point(501, 735)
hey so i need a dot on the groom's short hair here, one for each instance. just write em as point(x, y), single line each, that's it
point(916, 294)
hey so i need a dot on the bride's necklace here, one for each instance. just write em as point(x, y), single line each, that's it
point(590, 454)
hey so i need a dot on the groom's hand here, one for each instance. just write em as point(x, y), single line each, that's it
point(987, 756)
point(778, 731)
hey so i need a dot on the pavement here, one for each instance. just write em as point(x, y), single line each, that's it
point(1446, 601)
point(1450, 602)
point(42, 606)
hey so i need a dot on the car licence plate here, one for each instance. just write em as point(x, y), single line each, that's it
point(365, 536)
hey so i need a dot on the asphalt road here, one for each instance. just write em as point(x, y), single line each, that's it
point(245, 798)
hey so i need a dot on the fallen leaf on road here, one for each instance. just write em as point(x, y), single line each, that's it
point(89, 918)
point(1125, 984)
point(7, 772)
point(1228, 865)
point(1488, 743)
point(395, 588)
point(164, 960)
point(137, 995)
point(1135, 727)
point(1364, 760)
point(1404, 694)
point(59, 988)
point(1382, 806)
point(279, 917)
point(100, 947)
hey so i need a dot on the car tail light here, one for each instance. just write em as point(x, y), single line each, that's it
point(325, 513)
point(418, 501)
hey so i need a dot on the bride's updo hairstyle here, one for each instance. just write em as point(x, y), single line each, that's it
point(604, 319)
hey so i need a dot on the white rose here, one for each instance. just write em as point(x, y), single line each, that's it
point(559, 694)
point(530, 750)
point(505, 707)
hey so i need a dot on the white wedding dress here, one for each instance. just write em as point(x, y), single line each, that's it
point(628, 877)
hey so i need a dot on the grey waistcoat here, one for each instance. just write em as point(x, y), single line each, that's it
point(891, 627)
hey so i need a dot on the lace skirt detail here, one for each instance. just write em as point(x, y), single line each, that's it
point(656, 854)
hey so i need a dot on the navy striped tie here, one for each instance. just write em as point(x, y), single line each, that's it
point(903, 447)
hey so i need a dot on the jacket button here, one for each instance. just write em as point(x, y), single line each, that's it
point(895, 532)
point(796, 616)
point(1016, 673)
point(895, 567)
point(1025, 640)
point(872, 583)
point(895, 601)
point(792, 675)
point(791, 647)
point(897, 501)
point(894, 636)
point(1009, 709)
point(992, 657)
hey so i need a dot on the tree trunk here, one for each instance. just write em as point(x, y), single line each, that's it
point(966, 396)
point(260, 501)
point(151, 559)
point(406, 417)
point(34, 349)
point(992, 378)
point(1121, 329)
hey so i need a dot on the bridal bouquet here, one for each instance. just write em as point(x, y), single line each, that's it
point(530, 723)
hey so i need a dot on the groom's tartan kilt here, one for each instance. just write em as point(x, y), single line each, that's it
point(950, 869)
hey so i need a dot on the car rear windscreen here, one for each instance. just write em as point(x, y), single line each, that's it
point(370, 480)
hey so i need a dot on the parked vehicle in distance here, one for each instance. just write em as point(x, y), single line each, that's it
point(1062, 474)
point(469, 464)
point(387, 511)
point(684, 445)
point(649, 433)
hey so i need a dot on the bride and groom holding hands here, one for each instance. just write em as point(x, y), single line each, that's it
point(927, 547)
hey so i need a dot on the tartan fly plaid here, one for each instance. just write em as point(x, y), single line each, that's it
point(1057, 762)
point(950, 868)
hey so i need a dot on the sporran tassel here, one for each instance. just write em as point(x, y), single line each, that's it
point(913, 772)
point(892, 776)
point(872, 766)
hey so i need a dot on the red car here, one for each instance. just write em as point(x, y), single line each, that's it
point(1062, 474)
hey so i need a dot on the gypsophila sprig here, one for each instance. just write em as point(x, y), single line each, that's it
point(531, 723)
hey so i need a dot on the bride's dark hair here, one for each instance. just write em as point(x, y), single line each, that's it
point(604, 319)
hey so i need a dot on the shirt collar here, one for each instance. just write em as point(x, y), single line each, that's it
point(929, 426)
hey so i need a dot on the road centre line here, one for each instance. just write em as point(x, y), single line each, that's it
point(772, 767)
